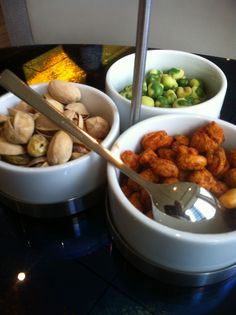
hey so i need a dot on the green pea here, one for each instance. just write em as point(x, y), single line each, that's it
point(162, 101)
point(148, 101)
point(170, 95)
point(144, 89)
point(196, 83)
point(176, 73)
point(169, 88)
point(183, 91)
point(155, 89)
point(183, 82)
point(153, 78)
point(169, 82)
point(198, 92)
point(181, 102)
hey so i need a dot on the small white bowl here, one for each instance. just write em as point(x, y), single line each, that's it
point(159, 244)
point(73, 179)
point(121, 73)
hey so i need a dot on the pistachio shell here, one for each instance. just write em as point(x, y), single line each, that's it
point(70, 114)
point(21, 159)
point(76, 155)
point(38, 162)
point(19, 128)
point(60, 148)
point(64, 92)
point(78, 108)
point(80, 148)
point(77, 119)
point(42, 123)
point(10, 148)
point(3, 118)
point(48, 134)
point(97, 127)
point(22, 106)
point(47, 96)
point(56, 104)
point(80, 122)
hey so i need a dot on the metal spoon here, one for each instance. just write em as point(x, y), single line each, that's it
point(183, 206)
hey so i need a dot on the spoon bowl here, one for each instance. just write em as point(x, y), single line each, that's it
point(173, 205)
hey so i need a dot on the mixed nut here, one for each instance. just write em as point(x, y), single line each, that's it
point(30, 139)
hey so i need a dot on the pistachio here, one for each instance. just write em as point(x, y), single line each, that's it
point(75, 117)
point(37, 145)
point(7, 148)
point(19, 128)
point(78, 108)
point(64, 92)
point(60, 148)
point(77, 120)
point(56, 104)
point(97, 127)
point(21, 159)
point(3, 118)
point(76, 155)
point(38, 162)
point(47, 96)
point(22, 106)
point(30, 139)
point(42, 123)
point(80, 148)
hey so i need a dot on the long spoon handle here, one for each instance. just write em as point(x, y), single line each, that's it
point(15, 85)
point(142, 32)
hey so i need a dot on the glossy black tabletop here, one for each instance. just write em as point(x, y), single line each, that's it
point(71, 265)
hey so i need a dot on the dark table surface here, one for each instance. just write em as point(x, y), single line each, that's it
point(71, 264)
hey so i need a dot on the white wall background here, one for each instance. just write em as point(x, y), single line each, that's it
point(201, 26)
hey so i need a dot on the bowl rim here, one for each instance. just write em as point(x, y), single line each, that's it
point(222, 76)
point(197, 238)
point(86, 157)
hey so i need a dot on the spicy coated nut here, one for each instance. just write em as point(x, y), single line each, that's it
point(131, 159)
point(156, 140)
point(228, 199)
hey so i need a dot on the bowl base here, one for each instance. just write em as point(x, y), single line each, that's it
point(56, 210)
point(158, 272)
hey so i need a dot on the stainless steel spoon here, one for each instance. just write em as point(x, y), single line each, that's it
point(183, 206)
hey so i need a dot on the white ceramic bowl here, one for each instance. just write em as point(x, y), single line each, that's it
point(121, 73)
point(162, 245)
point(73, 179)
